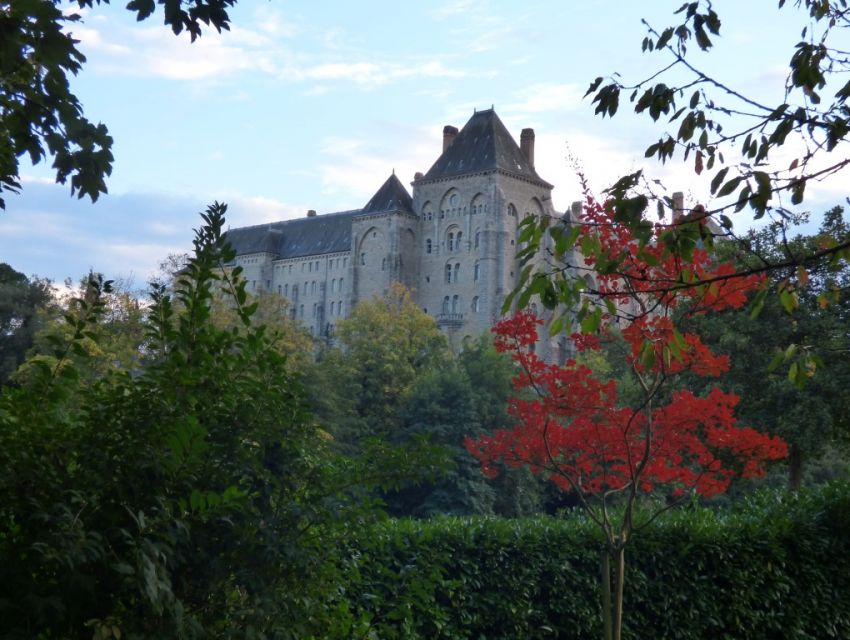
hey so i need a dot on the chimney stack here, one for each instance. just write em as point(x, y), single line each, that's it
point(311, 213)
point(678, 206)
point(449, 133)
point(526, 145)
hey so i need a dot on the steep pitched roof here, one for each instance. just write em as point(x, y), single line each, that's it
point(392, 196)
point(484, 144)
point(328, 233)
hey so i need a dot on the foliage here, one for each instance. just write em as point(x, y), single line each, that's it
point(274, 313)
point(361, 385)
point(21, 298)
point(708, 117)
point(775, 566)
point(116, 341)
point(193, 498)
point(774, 354)
point(577, 432)
point(39, 116)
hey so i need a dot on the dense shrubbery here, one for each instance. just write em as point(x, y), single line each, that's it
point(777, 566)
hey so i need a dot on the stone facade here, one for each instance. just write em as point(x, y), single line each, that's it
point(453, 242)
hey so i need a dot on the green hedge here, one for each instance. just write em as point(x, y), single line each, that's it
point(777, 566)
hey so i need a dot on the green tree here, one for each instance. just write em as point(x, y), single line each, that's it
point(115, 343)
point(39, 116)
point(442, 405)
point(772, 355)
point(360, 386)
point(195, 498)
point(21, 299)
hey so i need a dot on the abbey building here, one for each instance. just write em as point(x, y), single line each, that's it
point(453, 241)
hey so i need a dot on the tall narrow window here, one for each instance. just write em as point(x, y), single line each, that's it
point(340, 284)
point(428, 245)
point(383, 264)
point(450, 246)
point(446, 304)
point(457, 241)
point(333, 307)
point(286, 290)
point(455, 303)
point(448, 273)
point(477, 273)
point(457, 271)
point(477, 238)
point(475, 304)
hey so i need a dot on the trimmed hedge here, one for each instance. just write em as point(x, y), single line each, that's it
point(776, 566)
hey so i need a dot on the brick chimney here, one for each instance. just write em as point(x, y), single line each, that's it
point(526, 145)
point(449, 133)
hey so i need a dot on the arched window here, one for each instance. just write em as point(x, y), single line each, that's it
point(279, 289)
point(446, 304)
point(295, 293)
point(448, 273)
point(340, 284)
point(455, 303)
point(475, 304)
point(333, 285)
point(477, 238)
point(286, 290)
point(428, 245)
point(477, 273)
point(450, 244)
point(457, 241)
point(339, 308)
point(457, 272)
point(313, 287)
point(333, 307)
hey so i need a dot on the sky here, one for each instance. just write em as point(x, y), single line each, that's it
point(312, 106)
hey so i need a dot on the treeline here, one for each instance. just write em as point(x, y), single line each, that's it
point(191, 464)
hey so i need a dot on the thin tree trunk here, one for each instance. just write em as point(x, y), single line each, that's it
point(605, 584)
point(619, 581)
point(795, 468)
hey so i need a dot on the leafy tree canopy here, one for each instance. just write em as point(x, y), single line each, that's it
point(21, 299)
point(39, 115)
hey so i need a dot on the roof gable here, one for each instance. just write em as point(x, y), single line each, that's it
point(392, 196)
point(484, 144)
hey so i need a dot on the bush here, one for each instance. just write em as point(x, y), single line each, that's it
point(776, 566)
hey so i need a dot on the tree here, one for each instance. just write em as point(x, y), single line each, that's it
point(710, 117)
point(21, 298)
point(774, 354)
point(39, 116)
point(195, 498)
point(708, 121)
point(578, 433)
point(384, 347)
point(115, 343)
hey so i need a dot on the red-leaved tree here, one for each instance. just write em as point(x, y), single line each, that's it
point(575, 430)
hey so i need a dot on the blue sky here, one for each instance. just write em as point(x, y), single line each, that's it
point(312, 105)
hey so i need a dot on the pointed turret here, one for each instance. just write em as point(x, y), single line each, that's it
point(392, 196)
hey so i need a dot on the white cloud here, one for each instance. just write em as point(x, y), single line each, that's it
point(537, 98)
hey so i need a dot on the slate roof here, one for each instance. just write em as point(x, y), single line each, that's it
point(328, 233)
point(392, 196)
point(484, 144)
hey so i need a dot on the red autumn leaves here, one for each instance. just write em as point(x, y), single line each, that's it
point(573, 428)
